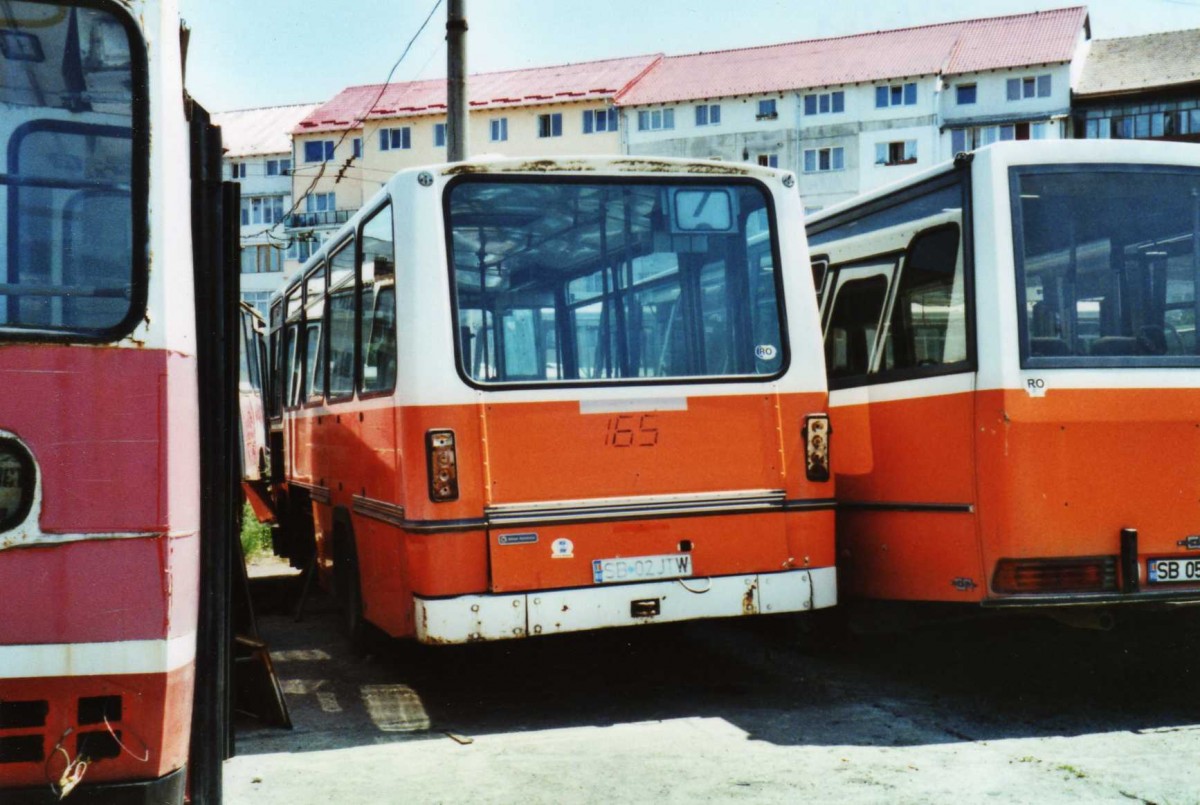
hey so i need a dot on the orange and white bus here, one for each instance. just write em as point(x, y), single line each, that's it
point(532, 397)
point(1014, 372)
point(101, 457)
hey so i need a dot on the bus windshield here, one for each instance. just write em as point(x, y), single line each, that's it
point(1108, 265)
point(567, 281)
point(71, 85)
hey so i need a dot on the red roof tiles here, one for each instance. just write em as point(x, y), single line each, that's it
point(946, 48)
point(598, 80)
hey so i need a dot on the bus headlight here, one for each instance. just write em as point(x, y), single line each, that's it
point(442, 462)
point(816, 447)
point(17, 480)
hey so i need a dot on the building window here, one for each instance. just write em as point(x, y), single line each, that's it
point(896, 95)
point(357, 142)
point(439, 135)
point(262, 210)
point(1029, 87)
point(259, 300)
point(549, 125)
point(971, 138)
point(499, 126)
point(301, 248)
point(819, 160)
point(237, 170)
point(598, 120)
point(656, 120)
point(768, 160)
point(708, 114)
point(262, 259)
point(824, 103)
point(766, 109)
point(279, 167)
point(320, 202)
point(318, 150)
point(397, 139)
point(902, 152)
point(964, 94)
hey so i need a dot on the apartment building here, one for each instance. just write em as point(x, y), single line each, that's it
point(347, 148)
point(1140, 87)
point(849, 114)
point(258, 155)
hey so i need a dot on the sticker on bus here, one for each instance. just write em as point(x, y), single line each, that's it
point(642, 568)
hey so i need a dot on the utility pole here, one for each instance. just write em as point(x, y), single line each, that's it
point(456, 80)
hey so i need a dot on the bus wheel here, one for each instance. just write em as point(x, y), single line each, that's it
point(347, 589)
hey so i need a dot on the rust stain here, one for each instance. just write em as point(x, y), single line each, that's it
point(748, 606)
point(653, 166)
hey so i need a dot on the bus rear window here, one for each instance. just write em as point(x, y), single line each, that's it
point(565, 281)
point(73, 195)
point(1108, 265)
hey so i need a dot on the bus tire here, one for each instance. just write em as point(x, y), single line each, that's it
point(347, 588)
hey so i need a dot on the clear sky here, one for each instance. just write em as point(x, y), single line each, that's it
point(247, 53)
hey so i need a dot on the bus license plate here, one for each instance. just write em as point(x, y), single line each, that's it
point(642, 568)
point(1164, 571)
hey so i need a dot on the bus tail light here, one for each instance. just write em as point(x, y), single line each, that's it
point(1085, 574)
point(816, 447)
point(443, 465)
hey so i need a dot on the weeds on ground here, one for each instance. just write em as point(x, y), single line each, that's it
point(256, 537)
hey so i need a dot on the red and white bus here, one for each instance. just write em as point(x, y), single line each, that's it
point(100, 457)
point(1014, 372)
point(532, 397)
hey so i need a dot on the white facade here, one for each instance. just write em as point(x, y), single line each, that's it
point(1024, 103)
point(258, 156)
point(760, 129)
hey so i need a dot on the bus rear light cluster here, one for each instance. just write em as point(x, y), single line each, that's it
point(442, 461)
point(1085, 574)
point(816, 447)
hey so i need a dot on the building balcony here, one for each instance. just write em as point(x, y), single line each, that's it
point(308, 220)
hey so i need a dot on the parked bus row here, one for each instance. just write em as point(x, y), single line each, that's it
point(521, 399)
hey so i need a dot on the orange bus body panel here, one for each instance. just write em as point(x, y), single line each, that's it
point(1091, 463)
point(913, 451)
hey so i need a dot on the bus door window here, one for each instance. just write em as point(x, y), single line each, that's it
point(314, 341)
point(928, 319)
point(377, 303)
point(859, 294)
point(341, 322)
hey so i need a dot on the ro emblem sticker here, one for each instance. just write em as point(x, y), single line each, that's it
point(562, 548)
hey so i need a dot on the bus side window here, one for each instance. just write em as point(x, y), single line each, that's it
point(853, 323)
point(341, 322)
point(377, 301)
point(294, 362)
point(820, 269)
point(314, 341)
point(928, 324)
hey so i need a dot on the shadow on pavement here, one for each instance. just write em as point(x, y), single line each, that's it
point(942, 682)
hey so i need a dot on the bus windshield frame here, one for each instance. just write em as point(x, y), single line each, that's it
point(38, 300)
point(547, 263)
point(1107, 264)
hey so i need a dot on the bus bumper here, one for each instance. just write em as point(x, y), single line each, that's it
point(472, 618)
point(168, 790)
